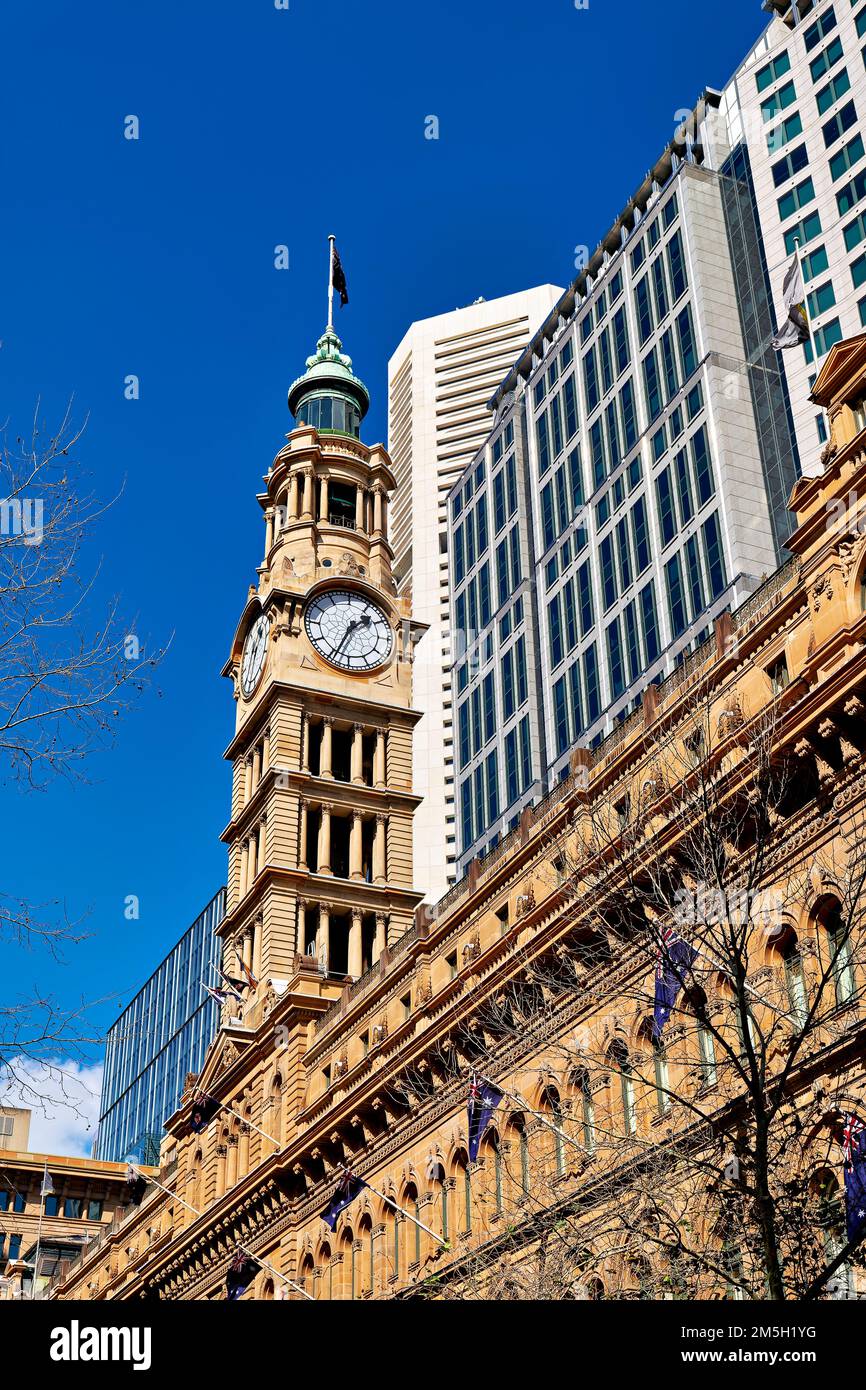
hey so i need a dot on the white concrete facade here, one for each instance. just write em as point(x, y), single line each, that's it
point(440, 379)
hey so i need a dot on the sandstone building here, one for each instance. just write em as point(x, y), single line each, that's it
point(618, 1163)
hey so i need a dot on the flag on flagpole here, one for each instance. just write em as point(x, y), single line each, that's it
point(854, 1154)
point(134, 1189)
point(338, 277)
point(483, 1100)
point(47, 1189)
point(250, 977)
point(674, 958)
point(233, 983)
point(241, 1273)
point(347, 1190)
point(203, 1110)
point(795, 328)
point(222, 995)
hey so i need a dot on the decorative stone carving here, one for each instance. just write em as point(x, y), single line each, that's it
point(525, 902)
point(347, 564)
point(822, 590)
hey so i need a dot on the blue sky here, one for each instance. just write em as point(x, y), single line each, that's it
point(261, 127)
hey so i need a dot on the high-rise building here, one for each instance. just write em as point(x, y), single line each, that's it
point(790, 122)
point(440, 380)
point(633, 486)
point(160, 1037)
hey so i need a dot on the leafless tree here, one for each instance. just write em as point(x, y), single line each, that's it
point(66, 678)
point(693, 1155)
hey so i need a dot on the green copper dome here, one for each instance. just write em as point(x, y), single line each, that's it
point(329, 396)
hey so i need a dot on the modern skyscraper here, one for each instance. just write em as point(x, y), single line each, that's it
point(440, 380)
point(790, 121)
point(632, 488)
point(160, 1037)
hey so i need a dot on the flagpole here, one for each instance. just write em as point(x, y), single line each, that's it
point(252, 1255)
point(331, 242)
point(446, 1245)
point(39, 1231)
point(244, 1121)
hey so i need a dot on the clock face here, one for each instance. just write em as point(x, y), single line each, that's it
point(348, 630)
point(255, 652)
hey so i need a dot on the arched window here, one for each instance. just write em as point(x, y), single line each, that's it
point(706, 1043)
point(551, 1104)
point(366, 1257)
point(411, 1232)
point(621, 1063)
point(520, 1139)
point(662, 1078)
point(305, 1277)
point(493, 1153)
point(838, 945)
point(440, 1194)
point(788, 949)
point(347, 1246)
point(580, 1084)
point(831, 1221)
point(326, 1276)
point(267, 1293)
point(275, 1102)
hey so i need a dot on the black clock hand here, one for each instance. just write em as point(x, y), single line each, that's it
point(349, 630)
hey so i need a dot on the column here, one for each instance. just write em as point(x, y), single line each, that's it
point(323, 936)
point(258, 932)
point(257, 765)
point(323, 500)
point(305, 742)
point(356, 867)
point(325, 840)
point(377, 511)
point(379, 854)
point(381, 935)
point(266, 750)
point(244, 869)
point(269, 530)
point(262, 847)
point(325, 755)
point(301, 927)
point(358, 753)
point(248, 948)
point(384, 523)
point(292, 500)
point(355, 943)
point(252, 865)
point(360, 497)
point(379, 778)
point(307, 509)
point(248, 777)
point(302, 847)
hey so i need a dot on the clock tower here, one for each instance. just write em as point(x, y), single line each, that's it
point(320, 835)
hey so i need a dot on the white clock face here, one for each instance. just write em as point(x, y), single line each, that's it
point(255, 652)
point(348, 630)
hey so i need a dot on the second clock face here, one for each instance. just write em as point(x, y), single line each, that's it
point(349, 630)
point(254, 654)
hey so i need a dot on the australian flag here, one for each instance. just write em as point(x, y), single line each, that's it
point(348, 1189)
point(675, 957)
point(203, 1110)
point(241, 1273)
point(339, 280)
point(483, 1100)
point(854, 1153)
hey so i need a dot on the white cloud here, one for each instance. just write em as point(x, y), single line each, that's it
point(63, 1096)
